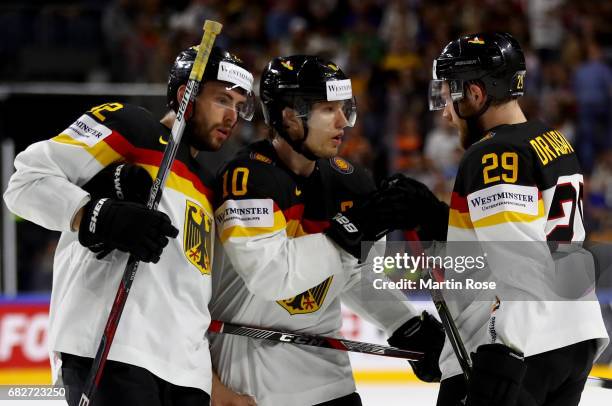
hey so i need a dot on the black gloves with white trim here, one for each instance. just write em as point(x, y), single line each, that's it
point(117, 217)
point(126, 226)
point(422, 333)
point(497, 376)
point(124, 181)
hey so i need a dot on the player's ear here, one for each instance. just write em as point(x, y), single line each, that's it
point(179, 94)
point(476, 93)
point(291, 121)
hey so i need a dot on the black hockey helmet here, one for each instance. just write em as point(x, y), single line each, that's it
point(298, 82)
point(222, 66)
point(495, 60)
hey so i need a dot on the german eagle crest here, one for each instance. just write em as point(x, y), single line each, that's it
point(197, 237)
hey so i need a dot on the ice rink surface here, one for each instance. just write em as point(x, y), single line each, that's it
point(425, 395)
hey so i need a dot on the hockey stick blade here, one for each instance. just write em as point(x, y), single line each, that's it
point(340, 344)
point(211, 30)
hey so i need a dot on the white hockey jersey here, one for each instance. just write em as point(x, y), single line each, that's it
point(164, 322)
point(281, 272)
point(518, 189)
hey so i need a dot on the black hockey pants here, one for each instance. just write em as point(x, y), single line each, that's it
point(124, 384)
point(553, 378)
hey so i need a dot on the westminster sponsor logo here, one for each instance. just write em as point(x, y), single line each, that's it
point(503, 198)
point(228, 72)
point(339, 89)
point(245, 213)
point(87, 130)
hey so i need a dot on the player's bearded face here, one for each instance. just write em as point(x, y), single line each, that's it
point(214, 118)
point(326, 123)
point(451, 116)
point(468, 131)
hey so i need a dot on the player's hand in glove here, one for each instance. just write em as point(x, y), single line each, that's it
point(382, 211)
point(126, 226)
point(422, 333)
point(497, 376)
point(122, 181)
point(428, 212)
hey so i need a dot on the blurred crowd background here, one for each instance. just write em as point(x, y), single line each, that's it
point(386, 47)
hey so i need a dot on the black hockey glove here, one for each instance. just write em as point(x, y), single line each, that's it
point(428, 212)
point(126, 226)
point(379, 213)
point(497, 376)
point(422, 333)
point(122, 181)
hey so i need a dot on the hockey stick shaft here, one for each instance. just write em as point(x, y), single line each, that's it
point(340, 344)
point(452, 332)
point(211, 30)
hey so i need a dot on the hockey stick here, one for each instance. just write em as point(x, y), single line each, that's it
point(451, 329)
point(340, 344)
point(447, 319)
point(211, 30)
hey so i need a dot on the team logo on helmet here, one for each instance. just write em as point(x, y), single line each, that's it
point(287, 65)
point(476, 40)
point(333, 67)
point(197, 243)
point(309, 301)
point(341, 165)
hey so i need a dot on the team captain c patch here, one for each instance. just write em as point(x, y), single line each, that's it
point(197, 243)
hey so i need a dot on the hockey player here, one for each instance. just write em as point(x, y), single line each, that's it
point(524, 352)
point(159, 355)
point(291, 220)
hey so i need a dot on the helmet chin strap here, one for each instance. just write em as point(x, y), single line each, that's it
point(299, 146)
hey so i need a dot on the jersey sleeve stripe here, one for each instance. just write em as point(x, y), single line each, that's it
point(313, 226)
point(116, 148)
point(462, 220)
point(459, 203)
point(100, 151)
point(151, 157)
point(182, 185)
point(295, 229)
point(511, 217)
point(459, 219)
point(295, 212)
